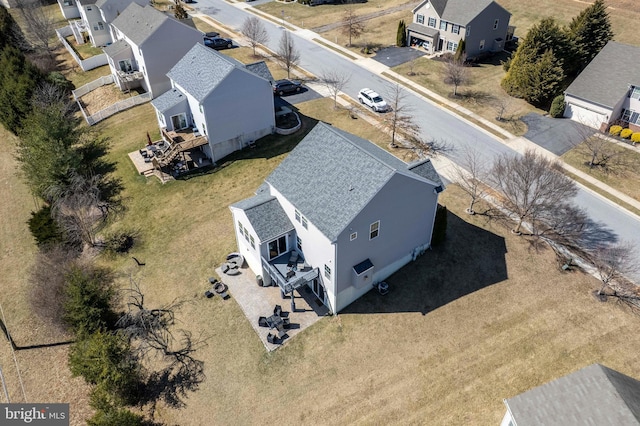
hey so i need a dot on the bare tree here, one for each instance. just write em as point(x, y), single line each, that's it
point(287, 52)
point(614, 262)
point(180, 12)
point(470, 175)
point(412, 66)
point(502, 105)
point(254, 30)
point(351, 25)
point(334, 80)
point(455, 73)
point(40, 24)
point(601, 152)
point(79, 209)
point(530, 186)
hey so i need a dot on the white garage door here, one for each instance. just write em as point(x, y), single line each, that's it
point(585, 116)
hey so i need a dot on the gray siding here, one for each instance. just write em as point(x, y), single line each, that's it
point(482, 29)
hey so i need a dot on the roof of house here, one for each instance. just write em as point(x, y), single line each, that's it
point(260, 68)
point(139, 23)
point(119, 5)
point(116, 47)
point(605, 81)
point(595, 395)
point(457, 11)
point(202, 69)
point(422, 29)
point(168, 100)
point(332, 175)
point(266, 216)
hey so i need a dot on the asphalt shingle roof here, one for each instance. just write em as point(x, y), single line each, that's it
point(168, 99)
point(266, 215)
point(261, 69)
point(139, 23)
point(425, 169)
point(607, 78)
point(116, 47)
point(457, 11)
point(422, 29)
point(593, 396)
point(332, 175)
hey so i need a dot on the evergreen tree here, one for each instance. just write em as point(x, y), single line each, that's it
point(590, 31)
point(545, 80)
point(461, 52)
point(401, 37)
point(18, 79)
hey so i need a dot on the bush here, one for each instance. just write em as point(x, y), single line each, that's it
point(635, 138)
point(557, 107)
point(44, 228)
point(626, 133)
point(615, 130)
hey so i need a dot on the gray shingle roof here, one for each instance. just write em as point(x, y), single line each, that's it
point(266, 215)
point(606, 79)
point(139, 23)
point(261, 69)
point(422, 29)
point(117, 47)
point(202, 69)
point(458, 11)
point(425, 169)
point(168, 100)
point(594, 395)
point(332, 175)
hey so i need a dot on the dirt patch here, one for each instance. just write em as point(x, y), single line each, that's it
point(103, 97)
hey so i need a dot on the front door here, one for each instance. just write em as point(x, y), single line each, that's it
point(440, 44)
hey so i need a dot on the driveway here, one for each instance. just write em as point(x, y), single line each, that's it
point(557, 135)
point(392, 56)
point(297, 98)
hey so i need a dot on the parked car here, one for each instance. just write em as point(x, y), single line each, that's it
point(218, 43)
point(281, 87)
point(373, 100)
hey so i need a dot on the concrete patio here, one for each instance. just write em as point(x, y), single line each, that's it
point(257, 301)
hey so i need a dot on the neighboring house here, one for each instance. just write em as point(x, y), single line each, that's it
point(69, 9)
point(148, 44)
point(607, 91)
point(92, 27)
point(339, 215)
point(593, 396)
point(220, 98)
point(439, 25)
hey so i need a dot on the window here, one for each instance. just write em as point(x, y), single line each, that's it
point(125, 65)
point(297, 215)
point(443, 25)
point(452, 46)
point(89, 8)
point(240, 228)
point(374, 230)
point(204, 129)
point(634, 93)
point(304, 223)
point(495, 24)
point(277, 247)
point(98, 26)
point(68, 2)
point(481, 44)
point(468, 32)
point(298, 243)
point(246, 234)
point(200, 108)
point(420, 19)
point(160, 117)
point(353, 236)
point(327, 272)
point(179, 121)
point(455, 29)
point(630, 116)
point(253, 242)
point(431, 22)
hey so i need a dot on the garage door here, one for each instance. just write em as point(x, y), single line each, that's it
point(585, 116)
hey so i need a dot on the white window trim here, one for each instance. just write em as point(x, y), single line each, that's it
point(455, 28)
point(634, 92)
point(420, 18)
point(353, 236)
point(430, 20)
point(327, 271)
point(377, 230)
point(297, 215)
point(305, 223)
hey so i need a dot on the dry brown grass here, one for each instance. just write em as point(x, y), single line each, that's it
point(103, 97)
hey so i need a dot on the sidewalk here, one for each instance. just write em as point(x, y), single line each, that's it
point(517, 143)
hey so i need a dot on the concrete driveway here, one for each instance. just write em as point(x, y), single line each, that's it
point(392, 56)
point(557, 135)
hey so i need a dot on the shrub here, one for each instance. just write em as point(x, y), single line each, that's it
point(557, 107)
point(635, 138)
point(626, 133)
point(43, 227)
point(615, 130)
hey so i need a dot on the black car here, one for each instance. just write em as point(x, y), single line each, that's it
point(218, 43)
point(281, 87)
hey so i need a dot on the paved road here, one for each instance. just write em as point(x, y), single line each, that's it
point(436, 122)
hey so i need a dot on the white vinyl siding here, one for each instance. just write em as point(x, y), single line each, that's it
point(431, 22)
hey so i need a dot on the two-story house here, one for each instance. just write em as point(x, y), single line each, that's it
point(604, 94)
point(148, 44)
point(228, 104)
point(69, 9)
point(439, 25)
point(339, 215)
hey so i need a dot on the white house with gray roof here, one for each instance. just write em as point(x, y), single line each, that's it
point(69, 9)
point(439, 25)
point(593, 396)
point(353, 214)
point(228, 102)
point(147, 45)
point(607, 91)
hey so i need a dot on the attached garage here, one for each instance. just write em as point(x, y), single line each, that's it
point(586, 116)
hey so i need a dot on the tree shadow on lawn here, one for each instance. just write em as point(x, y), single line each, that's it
point(470, 259)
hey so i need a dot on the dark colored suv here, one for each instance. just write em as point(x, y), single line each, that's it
point(281, 87)
point(218, 43)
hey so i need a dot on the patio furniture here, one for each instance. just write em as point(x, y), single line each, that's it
point(383, 288)
point(213, 280)
point(209, 294)
point(294, 257)
point(274, 321)
point(271, 339)
point(291, 274)
point(282, 333)
point(286, 323)
point(277, 310)
point(262, 322)
point(235, 259)
point(221, 288)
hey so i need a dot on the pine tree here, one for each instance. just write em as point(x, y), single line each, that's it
point(401, 38)
point(545, 80)
point(590, 31)
point(461, 51)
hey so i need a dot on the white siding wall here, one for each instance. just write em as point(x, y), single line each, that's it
point(585, 112)
point(251, 255)
point(69, 12)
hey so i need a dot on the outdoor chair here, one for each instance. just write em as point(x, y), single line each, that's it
point(286, 323)
point(209, 294)
point(291, 274)
point(294, 257)
point(262, 322)
point(277, 310)
point(271, 338)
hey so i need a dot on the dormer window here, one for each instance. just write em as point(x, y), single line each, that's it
point(420, 19)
